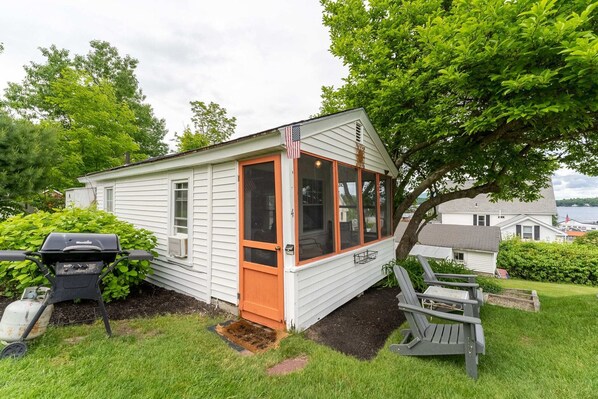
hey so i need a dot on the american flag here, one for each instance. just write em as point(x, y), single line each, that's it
point(292, 138)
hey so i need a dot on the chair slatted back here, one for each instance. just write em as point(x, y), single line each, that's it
point(428, 272)
point(408, 296)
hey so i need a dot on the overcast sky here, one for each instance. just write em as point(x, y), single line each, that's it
point(263, 60)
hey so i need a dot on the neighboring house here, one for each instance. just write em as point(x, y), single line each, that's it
point(572, 235)
point(574, 225)
point(476, 247)
point(80, 197)
point(284, 241)
point(528, 220)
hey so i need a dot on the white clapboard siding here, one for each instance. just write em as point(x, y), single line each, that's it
point(144, 201)
point(224, 232)
point(339, 143)
point(482, 262)
point(330, 283)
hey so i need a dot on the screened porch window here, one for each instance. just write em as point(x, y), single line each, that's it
point(369, 198)
point(348, 206)
point(385, 203)
point(316, 205)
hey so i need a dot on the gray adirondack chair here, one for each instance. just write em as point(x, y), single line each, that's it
point(471, 286)
point(463, 337)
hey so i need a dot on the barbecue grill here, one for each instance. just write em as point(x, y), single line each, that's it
point(74, 263)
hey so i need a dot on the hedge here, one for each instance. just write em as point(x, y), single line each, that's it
point(27, 232)
point(552, 262)
point(415, 270)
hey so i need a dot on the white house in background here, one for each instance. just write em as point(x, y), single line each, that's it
point(528, 220)
point(574, 225)
point(284, 241)
point(476, 247)
point(80, 197)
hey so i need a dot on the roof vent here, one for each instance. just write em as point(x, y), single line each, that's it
point(358, 136)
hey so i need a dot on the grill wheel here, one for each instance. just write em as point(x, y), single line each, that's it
point(14, 350)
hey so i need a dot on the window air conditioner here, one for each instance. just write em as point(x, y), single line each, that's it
point(177, 246)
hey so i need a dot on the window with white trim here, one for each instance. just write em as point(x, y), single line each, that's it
point(180, 207)
point(459, 257)
point(527, 232)
point(109, 199)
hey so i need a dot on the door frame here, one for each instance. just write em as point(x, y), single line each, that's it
point(279, 322)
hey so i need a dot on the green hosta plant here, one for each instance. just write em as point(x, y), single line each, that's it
point(27, 232)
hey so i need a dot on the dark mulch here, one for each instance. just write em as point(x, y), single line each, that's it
point(146, 300)
point(361, 327)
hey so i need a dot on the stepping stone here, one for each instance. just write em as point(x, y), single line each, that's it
point(289, 366)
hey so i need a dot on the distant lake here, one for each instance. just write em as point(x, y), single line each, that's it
point(579, 213)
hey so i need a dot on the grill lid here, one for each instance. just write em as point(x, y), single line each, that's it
point(80, 242)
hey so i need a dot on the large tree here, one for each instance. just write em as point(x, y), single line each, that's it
point(470, 96)
point(211, 123)
point(105, 66)
point(28, 153)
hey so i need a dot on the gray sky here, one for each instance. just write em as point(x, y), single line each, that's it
point(263, 60)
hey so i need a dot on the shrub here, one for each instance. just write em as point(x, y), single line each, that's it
point(590, 238)
point(27, 232)
point(552, 262)
point(415, 270)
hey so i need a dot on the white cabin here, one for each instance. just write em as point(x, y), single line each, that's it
point(528, 220)
point(285, 241)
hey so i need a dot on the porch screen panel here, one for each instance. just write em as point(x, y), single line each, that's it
point(348, 204)
point(316, 207)
point(369, 199)
point(385, 202)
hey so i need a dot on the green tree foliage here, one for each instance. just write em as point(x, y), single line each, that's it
point(28, 233)
point(103, 65)
point(552, 262)
point(28, 153)
point(98, 128)
point(577, 201)
point(498, 93)
point(211, 126)
point(590, 239)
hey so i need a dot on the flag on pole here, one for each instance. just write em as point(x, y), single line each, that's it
point(567, 220)
point(292, 138)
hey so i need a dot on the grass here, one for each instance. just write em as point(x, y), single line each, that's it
point(549, 354)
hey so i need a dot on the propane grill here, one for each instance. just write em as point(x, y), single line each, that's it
point(75, 264)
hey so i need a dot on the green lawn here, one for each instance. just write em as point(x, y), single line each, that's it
point(550, 354)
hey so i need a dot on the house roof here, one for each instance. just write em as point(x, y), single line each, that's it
point(522, 218)
point(477, 238)
point(546, 205)
point(252, 137)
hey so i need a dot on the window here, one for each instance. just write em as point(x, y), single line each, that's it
point(481, 220)
point(348, 205)
point(315, 207)
point(339, 207)
point(385, 203)
point(527, 233)
point(109, 199)
point(180, 207)
point(369, 201)
point(459, 257)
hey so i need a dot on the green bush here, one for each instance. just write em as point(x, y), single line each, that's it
point(552, 262)
point(590, 239)
point(415, 270)
point(27, 232)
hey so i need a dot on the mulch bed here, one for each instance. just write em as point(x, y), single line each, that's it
point(146, 300)
point(361, 327)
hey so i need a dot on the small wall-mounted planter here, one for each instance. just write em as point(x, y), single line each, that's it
point(364, 257)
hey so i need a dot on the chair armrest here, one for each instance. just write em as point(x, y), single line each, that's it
point(441, 315)
point(439, 298)
point(451, 275)
point(452, 284)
